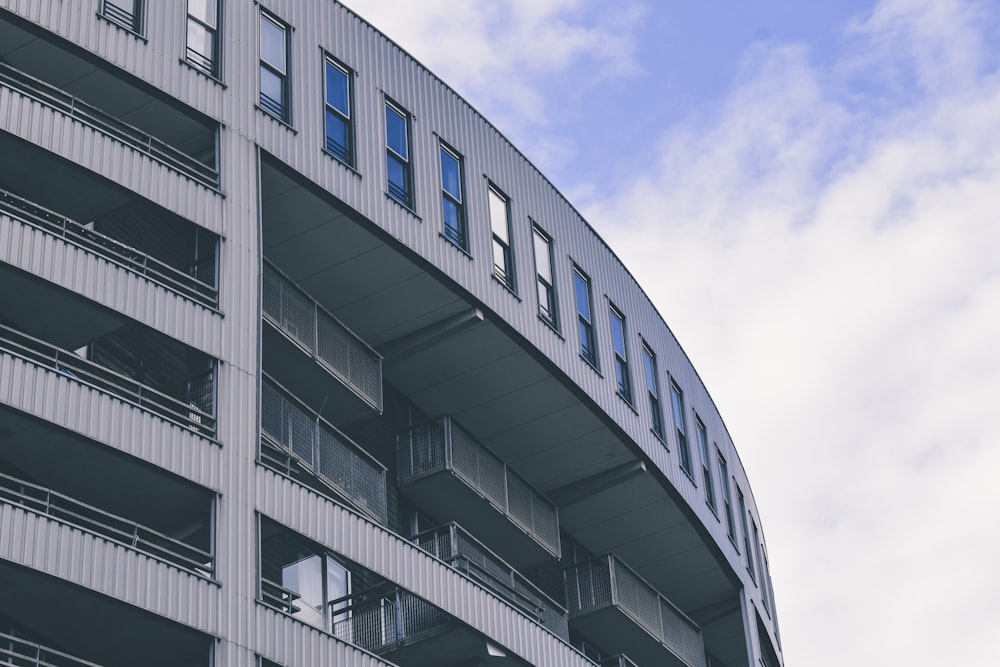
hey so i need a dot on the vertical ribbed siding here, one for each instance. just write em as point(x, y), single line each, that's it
point(109, 568)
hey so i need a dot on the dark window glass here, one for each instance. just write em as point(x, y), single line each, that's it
point(202, 35)
point(127, 13)
point(581, 287)
point(452, 211)
point(621, 356)
point(503, 259)
point(706, 462)
point(397, 154)
point(653, 390)
point(338, 112)
point(677, 402)
point(727, 501)
point(274, 67)
point(544, 277)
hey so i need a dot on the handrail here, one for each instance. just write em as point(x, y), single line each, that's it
point(379, 622)
point(275, 595)
point(111, 526)
point(102, 121)
point(128, 257)
point(24, 653)
point(71, 365)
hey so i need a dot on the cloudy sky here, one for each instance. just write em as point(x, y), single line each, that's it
point(811, 196)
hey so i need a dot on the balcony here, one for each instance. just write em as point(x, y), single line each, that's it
point(187, 284)
point(108, 124)
point(195, 413)
point(299, 443)
point(142, 538)
point(18, 651)
point(455, 546)
point(615, 609)
point(451, 476)
point(308, 346)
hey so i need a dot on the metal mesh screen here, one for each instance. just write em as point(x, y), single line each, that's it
point(640, 601)
point(533, 512)
point(681, 636)
point(386, 622)
point(478, 467)
point(588, 586)
point(420, 452)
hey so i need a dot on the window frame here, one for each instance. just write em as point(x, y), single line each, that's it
point(701, 433)
point(623, 376)
point(206, 64)
point(653, 391)
point(727, 497)
point(741, 500)
point(402, 195)
point(347, 118)
point(504, 248)
point(549, 312)
point(457, 235)
point(680, 427)
point(585, 321)
point(278, 109)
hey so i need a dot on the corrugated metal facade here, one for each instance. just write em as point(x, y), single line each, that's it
point(227, 465)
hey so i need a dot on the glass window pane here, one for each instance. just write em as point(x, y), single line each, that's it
point(618, 334)
point(543, 258)
point(452, 220)
point(395, 132)
point(204, 10)
point(582, 295)
point(272, 44)
point(450, 178)
point(498, 216)
point(500, 258)
point(199, 40)
point(337, 89)
point(397, 178)
point(271, 87)
point(650, 373)
point(336, 135)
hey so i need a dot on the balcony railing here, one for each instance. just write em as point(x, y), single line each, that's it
point(105, 524)
point(195, 415)
point(275, 595)
point(384, 618)
point(18, 651)
point(101, 121)
point(455, 546)
point(443, 445)
point(606, 582)
point(332, 345)
point(620, 660)
point(324, 452)
point(184, 284)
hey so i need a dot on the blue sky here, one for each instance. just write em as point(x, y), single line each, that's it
point(810, 193)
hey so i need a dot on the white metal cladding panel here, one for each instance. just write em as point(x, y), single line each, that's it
point(105, 418)
point(68, 553)
point(109, 284)
point(32, 121)
point(290, 642)
point(400, 561)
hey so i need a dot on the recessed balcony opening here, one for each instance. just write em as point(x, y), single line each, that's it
point(58, 331)
point(74, 627)
point(77, 481)
point(79, 85)
point(46, 193)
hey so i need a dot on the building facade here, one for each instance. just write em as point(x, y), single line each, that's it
point(302, 363)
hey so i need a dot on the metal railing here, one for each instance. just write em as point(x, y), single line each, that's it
point(620, 660)
point(607, 582)
point(123, 15)
point(113, 527)
point(192, 415)
point(186, 285)
point(322, 450)
point(331, 344)
point(101, 121)
point(275, 595)
point(381, 619)
point(455, 546)
point(23, 653)
point(444, 445)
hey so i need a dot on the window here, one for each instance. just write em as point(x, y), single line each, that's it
point(503, 260)
point(653, 390)
point(621, 357)
point(544, 277)
point(397, 146)
point(677, 401)
point(452, 207)
point(706, 463)
point(727, 500)
point(746, 532)
point(274, 67)
point(585, 321)
point(127, 13)
point(202, 35)
point(338, 111)
point(760, 566)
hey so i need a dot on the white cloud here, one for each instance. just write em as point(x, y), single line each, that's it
point(843, 239)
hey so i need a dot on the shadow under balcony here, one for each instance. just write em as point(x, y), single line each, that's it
point(452, 477)
point(316, 356)
point(297, 442)
point(455, 546)
point(617, 611)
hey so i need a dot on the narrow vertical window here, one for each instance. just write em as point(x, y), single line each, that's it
point(727, 499)
point(706, 462)
point(202, 35)
point(653, 390)
point(397, 146)
point(544, 277)
point(585, 320)
point(677, 402)
point(760, 566)
point(503, 260)
point(274, 67)
point(126, 13)
point(621, 355)
point(452, 205)
point(337, 80)
point(746, 532)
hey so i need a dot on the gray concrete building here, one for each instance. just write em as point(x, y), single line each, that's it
point(302, 363)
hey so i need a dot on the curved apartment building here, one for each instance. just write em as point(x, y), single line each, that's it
point(302, 363)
